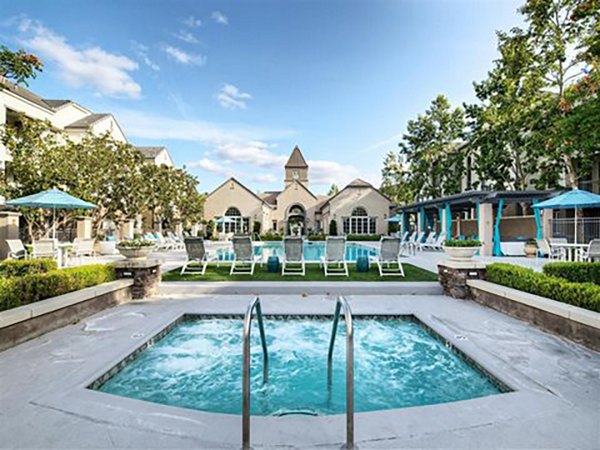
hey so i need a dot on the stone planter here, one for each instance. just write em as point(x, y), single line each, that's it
point(137, 254)
point(461, 253)
point(107, 247)
point(530, 250)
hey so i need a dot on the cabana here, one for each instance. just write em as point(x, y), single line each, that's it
point(497, 218)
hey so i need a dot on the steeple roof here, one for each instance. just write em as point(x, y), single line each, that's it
point(296, 160)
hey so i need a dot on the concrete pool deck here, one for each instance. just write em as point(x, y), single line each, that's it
point(555, 403)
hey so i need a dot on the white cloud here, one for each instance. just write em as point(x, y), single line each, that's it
point(210, 166)
point(256, 153)
point(325, 172)
point(107, 73)
point(192, 22)
point(231, 97)
point(183, 57)
point(219, 18)
point(141, 51)
point(186, 36)
point(265, 178)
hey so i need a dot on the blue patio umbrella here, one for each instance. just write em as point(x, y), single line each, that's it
point(51, 199)
point(575, 199)
point(395, 219)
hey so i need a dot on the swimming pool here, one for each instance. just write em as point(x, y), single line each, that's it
point(313, 251)
point(399, 363)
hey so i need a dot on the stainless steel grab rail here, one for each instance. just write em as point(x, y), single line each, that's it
point(255, 303)
point(343, 303)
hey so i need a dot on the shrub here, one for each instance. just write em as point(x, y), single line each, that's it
point(271, 236)
point(462, 243)
point(363, 237)
point(577, 272)
point(136, 243)
point(316, 237)
point(32, 288)
point(584, 295)
point(333, 228)
point(19, 268)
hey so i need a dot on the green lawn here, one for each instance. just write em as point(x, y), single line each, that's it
point(313, 273)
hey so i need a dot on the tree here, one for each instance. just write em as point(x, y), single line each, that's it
point(333, 228)
point(395, 180)
point(334, 189)
point(431, 149)
point(18, 66)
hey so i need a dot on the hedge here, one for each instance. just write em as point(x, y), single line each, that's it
point(363, 237)
point(19, 268)
point(584, 295)
point(18, 291)
point(577, 272)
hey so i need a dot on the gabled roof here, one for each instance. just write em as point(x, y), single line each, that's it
point(55, 104)
point(151, 151)
point(301, 185)
point(357, 183)
point(23, 93)
point(242, 186)
point(270, 197)
point(296, 160)
point(88, 121)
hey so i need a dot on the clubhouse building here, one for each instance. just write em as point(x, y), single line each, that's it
point(358, 208)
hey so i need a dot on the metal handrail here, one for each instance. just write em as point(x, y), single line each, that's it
point(255, 303)
point(343, 303)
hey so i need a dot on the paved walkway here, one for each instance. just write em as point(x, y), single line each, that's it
point(44, 403)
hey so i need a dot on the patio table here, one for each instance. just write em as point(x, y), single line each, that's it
point(63, 252)
point(571, 250)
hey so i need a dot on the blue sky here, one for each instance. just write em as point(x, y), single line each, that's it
point(231, 86)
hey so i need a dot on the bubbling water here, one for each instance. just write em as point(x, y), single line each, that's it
point(398, 363)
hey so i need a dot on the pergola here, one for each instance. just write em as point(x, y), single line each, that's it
point(483, 203)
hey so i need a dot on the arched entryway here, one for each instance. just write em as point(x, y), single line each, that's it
point(296, 221)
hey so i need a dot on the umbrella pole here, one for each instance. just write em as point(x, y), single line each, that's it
point(54, 223)
point(575, 225)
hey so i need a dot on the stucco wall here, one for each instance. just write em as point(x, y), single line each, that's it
point(350, 198)
point(233, 194)
point(294, 194)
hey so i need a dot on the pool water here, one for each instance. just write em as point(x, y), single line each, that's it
point(398, 363)
point(313, 251)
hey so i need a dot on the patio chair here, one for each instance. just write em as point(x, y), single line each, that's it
point(243, 256)
point(162, 243)
point(334, 261)
point(293, 257)
point(407, 243)
point(16, 249)
point(175, 241)
point(435, 244)
point(196, 253)
point(430, 240)
point(45, 248)
point(389, 255)
point(592, 253)
point(83, 247)
point(544, 249)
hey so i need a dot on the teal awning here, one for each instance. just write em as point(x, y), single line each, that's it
point(51, 199)
point(575, 199)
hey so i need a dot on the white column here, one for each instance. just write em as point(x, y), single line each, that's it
point(486, 228)
point(128, 229)
point(84, 227)
point(9, 229)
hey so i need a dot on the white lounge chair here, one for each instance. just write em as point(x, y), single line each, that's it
point(388, 261)
point(45, 248)
point(429, 241)
point(16, 249)
point(162, 243)
point(243, 256)
point(83, 247)
point(592, 253)
point(196, 254)
point(334, 261)
point(544, 249)
point(407, 243)
point(175, 241)
point(293, 257)
point(436, 244)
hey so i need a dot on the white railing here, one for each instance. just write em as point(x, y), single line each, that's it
point(588, 228)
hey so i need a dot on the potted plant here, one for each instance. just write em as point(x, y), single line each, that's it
point(105, 245)
point(137, 248)
point(530, 248)
point(461, 250)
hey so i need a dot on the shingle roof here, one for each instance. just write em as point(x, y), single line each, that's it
point(55, 104)
point(87, 121)
point(270, 197)
point(23, 93)
point(357, 182)
point(150, 152)
point(296, 159)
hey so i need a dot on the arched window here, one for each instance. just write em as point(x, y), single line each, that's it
point(233, 222)
point(233, 212)
point(359, 212)
point(359, 222)
point(296, 210)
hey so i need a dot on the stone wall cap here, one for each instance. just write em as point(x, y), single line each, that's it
point(21, 313)
point(137, 264)
point(464, 265)
point(9, 213)
point(575, 313)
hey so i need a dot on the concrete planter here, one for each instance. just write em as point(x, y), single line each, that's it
point(530, 250)
point(137, 254)
point(107, 247)
point(461, 253)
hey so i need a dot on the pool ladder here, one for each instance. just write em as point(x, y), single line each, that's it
point(341, 303)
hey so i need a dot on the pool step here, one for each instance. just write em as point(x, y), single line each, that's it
point(191, 288)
